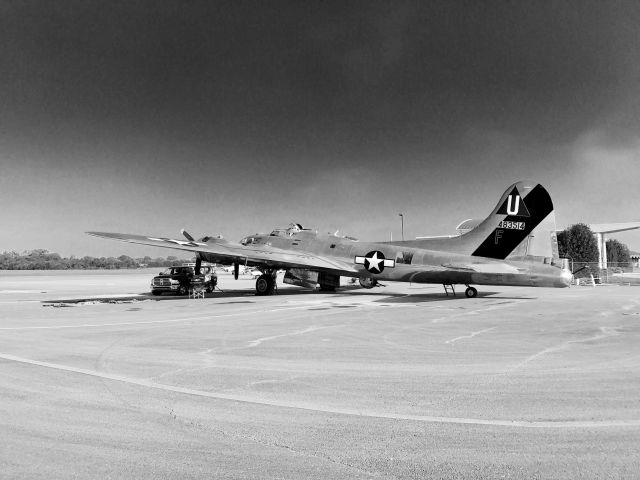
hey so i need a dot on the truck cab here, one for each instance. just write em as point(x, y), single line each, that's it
point(178, 279)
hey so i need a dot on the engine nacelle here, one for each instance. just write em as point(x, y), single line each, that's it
point(368, 282)
point(309, 279)
point(301, 278)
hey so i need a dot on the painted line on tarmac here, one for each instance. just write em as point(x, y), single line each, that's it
point(471, 335)
point(606, 333)
point(338, 411)
point(313, 328)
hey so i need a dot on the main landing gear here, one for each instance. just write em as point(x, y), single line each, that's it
point(266, 283)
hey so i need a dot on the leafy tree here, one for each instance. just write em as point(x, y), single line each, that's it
point(578, 243)
point(618, 254)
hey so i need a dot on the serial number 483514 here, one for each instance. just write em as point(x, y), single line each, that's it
point(511, 225)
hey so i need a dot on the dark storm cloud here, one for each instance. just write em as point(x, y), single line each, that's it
point(285, 75)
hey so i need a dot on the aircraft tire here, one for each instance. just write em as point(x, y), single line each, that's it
point(264, 285)
point(471, 292)
point(368, 282)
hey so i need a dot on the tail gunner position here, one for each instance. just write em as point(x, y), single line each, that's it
point(515, 245)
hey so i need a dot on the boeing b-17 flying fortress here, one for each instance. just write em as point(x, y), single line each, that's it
point(515, 245)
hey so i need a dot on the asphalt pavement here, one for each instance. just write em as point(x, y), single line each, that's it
point(98, 379)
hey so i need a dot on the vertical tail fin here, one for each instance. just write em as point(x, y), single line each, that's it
point(522, 224)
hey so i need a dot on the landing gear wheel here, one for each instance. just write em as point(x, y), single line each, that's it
point(368, 282)
point(471, 292)
point(264, 285)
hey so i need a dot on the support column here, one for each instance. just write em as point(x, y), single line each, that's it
point(602, 250)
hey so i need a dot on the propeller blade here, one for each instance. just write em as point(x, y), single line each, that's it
point(186, 235)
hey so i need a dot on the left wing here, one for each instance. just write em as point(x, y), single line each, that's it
point(223, 251)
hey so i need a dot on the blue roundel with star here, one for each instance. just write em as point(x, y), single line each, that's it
point(374, 261)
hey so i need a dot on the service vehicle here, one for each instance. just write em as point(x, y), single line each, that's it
point(178, 279)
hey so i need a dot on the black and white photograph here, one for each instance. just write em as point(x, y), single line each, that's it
point(290, 240)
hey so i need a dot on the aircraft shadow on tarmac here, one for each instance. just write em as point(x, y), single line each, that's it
point(248, 296)
point(441, 297)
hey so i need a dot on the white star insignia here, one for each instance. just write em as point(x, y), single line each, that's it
point(373, 263)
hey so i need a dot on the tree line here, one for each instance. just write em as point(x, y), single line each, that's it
point(44, 260)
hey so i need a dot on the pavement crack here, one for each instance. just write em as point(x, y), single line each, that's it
point(282, 446)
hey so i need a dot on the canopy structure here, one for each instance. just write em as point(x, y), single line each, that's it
point(602, 229)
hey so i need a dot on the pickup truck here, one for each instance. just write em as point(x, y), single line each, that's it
point(179, 278)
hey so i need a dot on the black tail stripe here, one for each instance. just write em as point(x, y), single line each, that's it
point(502, 241)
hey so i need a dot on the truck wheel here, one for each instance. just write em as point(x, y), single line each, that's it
point(182, 290)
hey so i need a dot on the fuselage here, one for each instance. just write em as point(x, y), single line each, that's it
point(410, 264)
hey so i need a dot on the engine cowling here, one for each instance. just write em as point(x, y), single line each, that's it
point(368, 282)
point(301, 277)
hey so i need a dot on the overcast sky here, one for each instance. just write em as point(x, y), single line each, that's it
point(237, 117)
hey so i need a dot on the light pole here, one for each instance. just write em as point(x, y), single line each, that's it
point(402, 224)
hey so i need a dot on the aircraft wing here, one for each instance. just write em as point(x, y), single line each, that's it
point(223, 251)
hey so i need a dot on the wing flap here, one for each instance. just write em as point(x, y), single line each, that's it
point(497, 268)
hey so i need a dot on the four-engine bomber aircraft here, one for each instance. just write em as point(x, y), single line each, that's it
point(515, 245)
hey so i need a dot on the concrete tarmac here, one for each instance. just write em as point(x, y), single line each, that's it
point(100, 380)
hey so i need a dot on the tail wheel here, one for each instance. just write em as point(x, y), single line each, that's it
point(471, 292)
point(264, 285)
